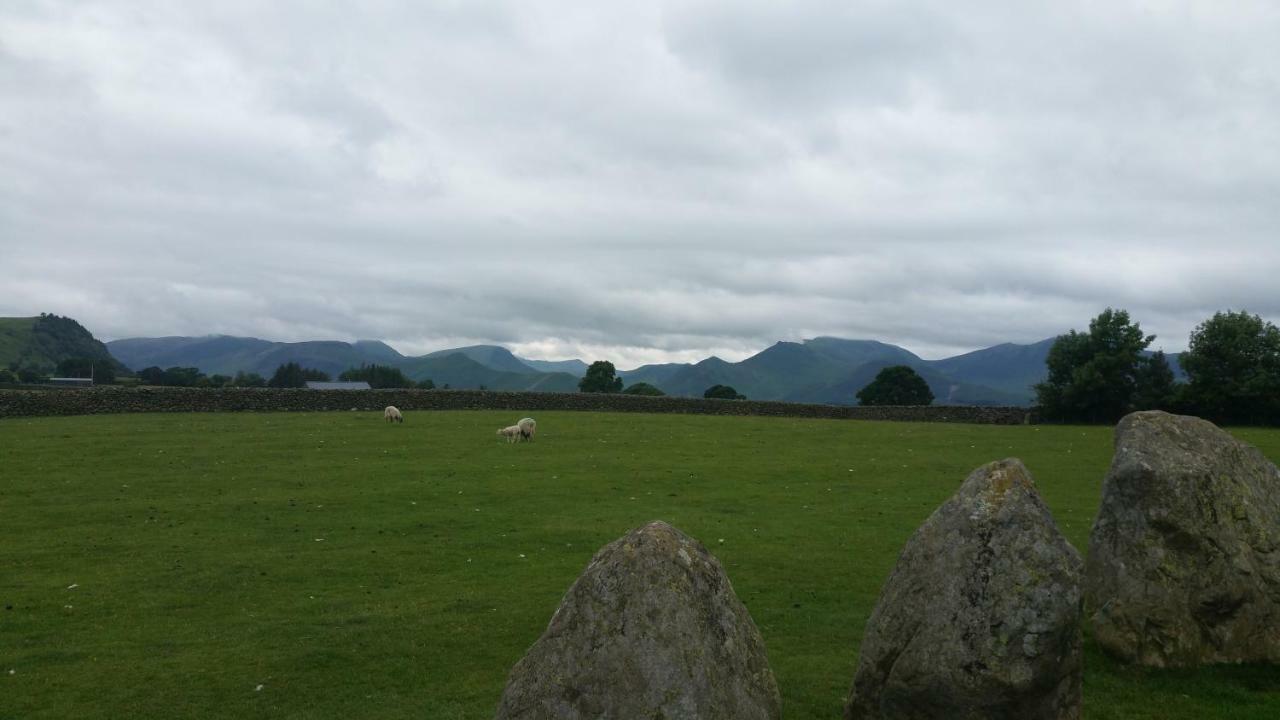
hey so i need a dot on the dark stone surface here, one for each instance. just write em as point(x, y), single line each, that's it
point(651, 629)
point(981, 616)
point(19, 403)
point(1184, 558)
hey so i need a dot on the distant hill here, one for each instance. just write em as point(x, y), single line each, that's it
point(655, 375)
point(820, 370)
point(495, 357)
point(823, 370)
point(226, 355)
point(44, 341)
point(381, 352)
point(1008, 367)
point(575, 367)
point(946, 390)
point(458, 371)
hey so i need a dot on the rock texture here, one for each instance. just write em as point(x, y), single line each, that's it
point(1184, 558)
point(981, 616)
point(651, 629)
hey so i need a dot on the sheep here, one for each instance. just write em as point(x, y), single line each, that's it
point(392, 414)
point(528, 427)
point(512, 434)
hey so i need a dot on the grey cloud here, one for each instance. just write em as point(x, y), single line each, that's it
point(656, 181)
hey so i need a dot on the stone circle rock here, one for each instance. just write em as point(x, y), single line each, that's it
point(1184, 557)
point(651, 629)
point(981, 616)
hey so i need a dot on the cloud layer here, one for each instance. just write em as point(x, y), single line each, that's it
point(642, 183)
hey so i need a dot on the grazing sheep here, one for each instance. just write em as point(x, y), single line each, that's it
point(512, 434)
point(528, 427)
point(392, 414)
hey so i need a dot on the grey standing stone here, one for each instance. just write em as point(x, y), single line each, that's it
point(1184, 558)
point(651, 629)
point(981, 616)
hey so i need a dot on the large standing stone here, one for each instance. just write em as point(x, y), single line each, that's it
point(651, 629)
point(1184, 559)
point(981, 616)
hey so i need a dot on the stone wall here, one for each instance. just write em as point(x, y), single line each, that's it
point(19, 403)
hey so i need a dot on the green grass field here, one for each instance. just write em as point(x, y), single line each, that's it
point(331, 566)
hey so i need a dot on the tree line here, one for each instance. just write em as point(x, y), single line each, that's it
point(1232, 365)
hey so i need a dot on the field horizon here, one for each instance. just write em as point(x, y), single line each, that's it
point(307, 565)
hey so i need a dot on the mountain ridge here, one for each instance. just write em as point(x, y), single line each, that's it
point(823, 369)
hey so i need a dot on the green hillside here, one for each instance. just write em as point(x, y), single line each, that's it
point(44, 341)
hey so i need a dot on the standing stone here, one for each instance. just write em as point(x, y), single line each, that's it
point(1184, 558)
point(651, 629)
point(981, 616)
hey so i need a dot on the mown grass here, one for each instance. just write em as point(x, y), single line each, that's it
point(329, 565)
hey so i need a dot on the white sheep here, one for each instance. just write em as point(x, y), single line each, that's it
point(512, 434)
point(528, 427)
point(392, 414)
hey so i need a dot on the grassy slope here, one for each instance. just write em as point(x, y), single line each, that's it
point(15, 336)
point(355, 569)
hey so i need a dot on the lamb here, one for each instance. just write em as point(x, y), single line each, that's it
point(528, 427)
point(512, 434)
point(392, 414)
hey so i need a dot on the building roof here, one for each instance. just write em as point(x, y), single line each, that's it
point(317, 385)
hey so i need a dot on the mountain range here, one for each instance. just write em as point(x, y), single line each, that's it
point(822, 370)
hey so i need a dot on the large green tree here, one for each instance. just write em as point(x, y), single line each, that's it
point(642, 388)
point(1094, 376)
point(601, 377)
point(1156, 387)
point(896, 385)
point(723, 392)
point(1233, 363)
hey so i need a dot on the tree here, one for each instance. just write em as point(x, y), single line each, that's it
point(1156, 389)
point(642, 388)
point(219, 380)
point(1233, 362)
point(181, 377)
point(293, 375)
point(151, 376)
point(8, 376)
point(896, 385)
point(723, 392)
point(378, 376)
point(427, 384)
point(244, 379)
point(600, 378)
point(31, 374)
point(1093, 376)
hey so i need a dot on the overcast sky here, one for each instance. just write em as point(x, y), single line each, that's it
point(639, 181)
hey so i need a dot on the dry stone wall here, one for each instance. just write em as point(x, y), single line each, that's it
point(107, 400)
